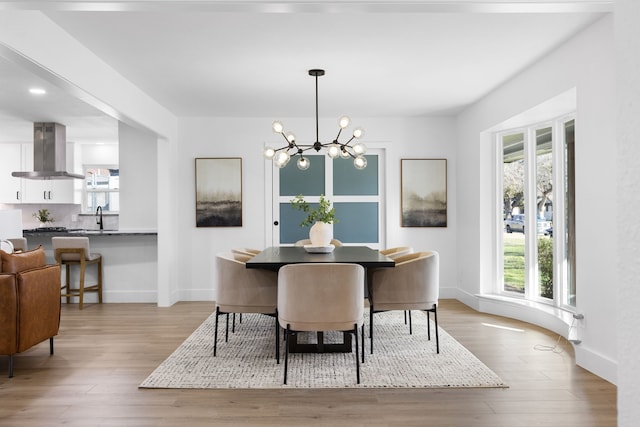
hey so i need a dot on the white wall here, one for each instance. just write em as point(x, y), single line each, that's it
point(586, 63)
point(628, 203)
point(230, 137)
point(138, 178)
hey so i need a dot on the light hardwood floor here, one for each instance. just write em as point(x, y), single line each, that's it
point(104, 351)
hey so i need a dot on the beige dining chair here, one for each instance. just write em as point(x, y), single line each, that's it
point(334, 242)
point(321, 297)
point(19, 244)
point(413, 284)
point(76, 251)
point(242, 290)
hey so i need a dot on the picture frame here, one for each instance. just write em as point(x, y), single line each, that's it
point(423, 192)
point(218, 191)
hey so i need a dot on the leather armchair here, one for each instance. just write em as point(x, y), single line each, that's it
point(29, 302)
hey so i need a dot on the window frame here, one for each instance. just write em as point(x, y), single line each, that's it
point(86, 191)
point(561, 281)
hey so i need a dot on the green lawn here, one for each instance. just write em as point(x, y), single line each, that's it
point(514, 262)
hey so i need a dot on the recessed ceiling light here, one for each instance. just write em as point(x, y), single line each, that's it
point(37, 91)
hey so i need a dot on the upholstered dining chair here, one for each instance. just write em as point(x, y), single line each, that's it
point(19, 244)
point(396, 251)
point(250, 252)
point(413, 284)
point(334, 242)
point(321, 297)
point(75, 251)
point(242, 290)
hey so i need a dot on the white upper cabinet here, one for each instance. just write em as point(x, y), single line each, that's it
point(10, 160)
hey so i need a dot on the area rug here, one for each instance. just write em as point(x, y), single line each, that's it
point(247, 360)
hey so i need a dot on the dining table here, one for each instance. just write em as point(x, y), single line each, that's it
point(275, 257)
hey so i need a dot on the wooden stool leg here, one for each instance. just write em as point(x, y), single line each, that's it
point(100, 280)
point(67, 284)
point(81, 290)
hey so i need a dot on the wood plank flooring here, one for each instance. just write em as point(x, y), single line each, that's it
point(104, 351)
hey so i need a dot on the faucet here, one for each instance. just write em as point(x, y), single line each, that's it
point(99, 215)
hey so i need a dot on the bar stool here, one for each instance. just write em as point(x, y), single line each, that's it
point(75, 251)
point(19, 244)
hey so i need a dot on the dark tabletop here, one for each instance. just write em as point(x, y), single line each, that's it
point(276, 256)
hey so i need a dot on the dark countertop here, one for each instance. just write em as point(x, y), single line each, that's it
point(90, 233)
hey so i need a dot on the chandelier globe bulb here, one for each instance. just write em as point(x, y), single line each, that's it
point(269, 152)
point(333, 151)
point(358, 132)
point(360, 162)
point(344, 121)
point(277, 127)
point(303, 163)
point(359, 149)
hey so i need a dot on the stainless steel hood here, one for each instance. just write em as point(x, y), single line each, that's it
point(49, 153)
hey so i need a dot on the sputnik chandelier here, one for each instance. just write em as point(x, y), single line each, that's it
point(282, 155)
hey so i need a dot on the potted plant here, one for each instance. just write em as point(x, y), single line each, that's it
point(321, 219)
point(44, 217)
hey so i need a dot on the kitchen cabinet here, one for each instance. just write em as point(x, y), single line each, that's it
point(43, 190)
point(19, 157)
point(10, 160)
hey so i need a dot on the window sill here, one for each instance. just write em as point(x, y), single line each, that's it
point(544, 315)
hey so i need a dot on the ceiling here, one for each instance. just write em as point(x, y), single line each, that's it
point(250, 58)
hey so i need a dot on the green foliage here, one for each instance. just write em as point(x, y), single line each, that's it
point(545, 265)
point(323, 213)
point(43, 215)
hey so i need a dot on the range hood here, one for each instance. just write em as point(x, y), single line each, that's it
point(49, 153)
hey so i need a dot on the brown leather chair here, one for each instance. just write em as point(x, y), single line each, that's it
point(413, 284)
point(29, 302)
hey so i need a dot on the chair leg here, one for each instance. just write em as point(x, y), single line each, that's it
point(11, 366)
point(355, 332)
point(68, 282)
point(371, 325)
point(405, 317)
point(286, 352)
point(362, 342)
point(277, 339)
point(81, 291)
point(226, 333)
point(435, 317)
point(215, 333)
point(410, 327)
point(428, 325)
point(100, 280)
point(51, 345)
point(233, 326)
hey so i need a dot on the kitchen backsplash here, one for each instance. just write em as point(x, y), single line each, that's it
point(64, 215)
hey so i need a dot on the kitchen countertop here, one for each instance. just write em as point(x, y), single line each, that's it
point(91, 233)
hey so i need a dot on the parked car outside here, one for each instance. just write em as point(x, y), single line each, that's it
point(516, 223)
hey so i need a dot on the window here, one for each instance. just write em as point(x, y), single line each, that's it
point(537, 265)
point(101, 188)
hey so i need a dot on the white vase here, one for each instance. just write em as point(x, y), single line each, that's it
point(321, 234)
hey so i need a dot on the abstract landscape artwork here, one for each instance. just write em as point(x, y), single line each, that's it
point(423, 192)
point(219, 192)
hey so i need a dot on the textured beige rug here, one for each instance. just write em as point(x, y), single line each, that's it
point(247, 360)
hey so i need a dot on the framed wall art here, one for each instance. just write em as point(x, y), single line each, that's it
point(219, 192)
point(423, 192)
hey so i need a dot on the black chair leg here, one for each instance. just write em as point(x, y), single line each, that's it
point(355, 332)
point(363, 342)
point(435, 317)
point(226, 334)
point(11, 366)
point(277, 339)
point(410, 327)
point(371, 326)
point(233, 325)
point(51, 345)
point(215, 333)
point(428, 325)
point(286, 352)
